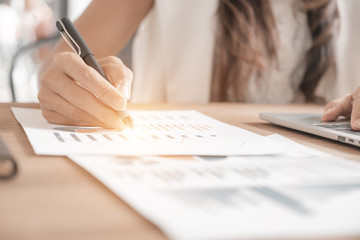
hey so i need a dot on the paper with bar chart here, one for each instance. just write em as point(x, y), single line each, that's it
point(297, 194)
point(155, 133)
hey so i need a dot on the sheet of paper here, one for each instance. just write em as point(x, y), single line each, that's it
point(302, 193)
point(156, 133)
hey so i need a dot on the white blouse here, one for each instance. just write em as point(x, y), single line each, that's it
point(173, 54)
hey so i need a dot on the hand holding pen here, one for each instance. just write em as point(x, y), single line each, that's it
point(76, 91)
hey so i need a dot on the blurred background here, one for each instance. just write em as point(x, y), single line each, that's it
point(27, 32)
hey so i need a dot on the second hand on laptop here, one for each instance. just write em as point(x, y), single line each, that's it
point(77, 43)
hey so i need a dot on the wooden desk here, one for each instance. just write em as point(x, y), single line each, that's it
point(53, 198)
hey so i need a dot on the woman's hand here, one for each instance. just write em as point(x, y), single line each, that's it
point(347, 106)
point(73, 93)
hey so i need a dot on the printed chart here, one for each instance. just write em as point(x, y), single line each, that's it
point(155, 133)
point(302, 193)
point(149, 128)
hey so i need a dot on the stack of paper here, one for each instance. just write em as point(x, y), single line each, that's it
point(233, 192)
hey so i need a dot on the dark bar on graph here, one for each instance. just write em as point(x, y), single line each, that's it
point(169, 136)
point(92, 138)
point(281, 199)
point(107, 137)
point(76, 138)
point(202, 127)
point(152, 125)
point(163, 127)
point(199, 129)
point(179, 127)
point(58, 136)
point(154, 136)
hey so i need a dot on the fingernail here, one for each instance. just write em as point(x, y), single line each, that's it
point(125, 91)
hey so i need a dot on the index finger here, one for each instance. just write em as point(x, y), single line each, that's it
point(336, 108)
point(90, 79)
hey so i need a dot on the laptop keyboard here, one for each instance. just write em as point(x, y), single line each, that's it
point(340, 126)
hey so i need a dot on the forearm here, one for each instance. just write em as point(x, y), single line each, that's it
point(106, 25)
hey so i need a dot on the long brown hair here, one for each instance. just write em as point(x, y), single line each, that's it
point(246, 42)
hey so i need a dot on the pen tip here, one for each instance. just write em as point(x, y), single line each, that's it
point(129, 122)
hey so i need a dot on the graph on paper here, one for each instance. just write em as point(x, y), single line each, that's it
point(158, 126)
point(311, 193)
point(155, 133)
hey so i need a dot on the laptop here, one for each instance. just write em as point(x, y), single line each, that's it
point(339, 130)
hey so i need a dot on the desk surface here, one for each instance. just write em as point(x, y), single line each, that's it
point(53, 198)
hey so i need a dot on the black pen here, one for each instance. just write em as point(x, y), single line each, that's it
point(78, 44)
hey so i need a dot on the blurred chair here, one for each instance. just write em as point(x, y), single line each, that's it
point(23, 69)
point(21, 73)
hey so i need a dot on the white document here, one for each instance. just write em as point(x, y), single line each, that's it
point(156, 133)
point(303, 193)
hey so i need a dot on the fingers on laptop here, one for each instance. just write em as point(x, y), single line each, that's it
point(338, 107)
point(346, 106)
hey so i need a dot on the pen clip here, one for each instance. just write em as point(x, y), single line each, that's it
point(67, 37)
